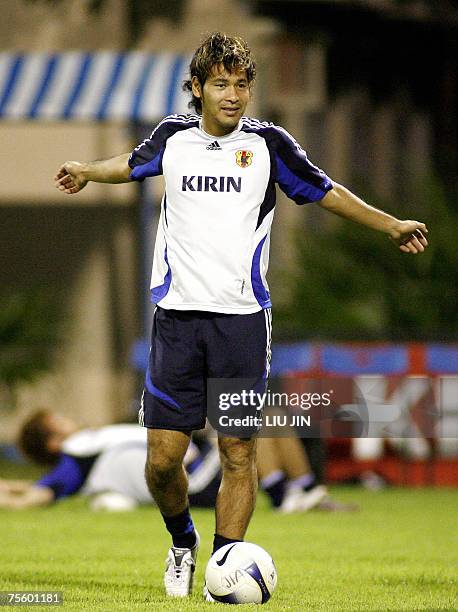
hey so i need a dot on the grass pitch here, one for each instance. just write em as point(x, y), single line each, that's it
point(398, 553)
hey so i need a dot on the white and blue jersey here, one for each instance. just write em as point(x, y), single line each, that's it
point(82, 465)
point(113, 458)
point(212, 244)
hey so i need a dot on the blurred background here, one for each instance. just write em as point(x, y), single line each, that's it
point(368, 87)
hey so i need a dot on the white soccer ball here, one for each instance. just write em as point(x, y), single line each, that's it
point(241, 573)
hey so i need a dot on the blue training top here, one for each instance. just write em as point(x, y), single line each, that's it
point(68, 476)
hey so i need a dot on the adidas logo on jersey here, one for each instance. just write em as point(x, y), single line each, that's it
point(214, 146)
point(212, 183)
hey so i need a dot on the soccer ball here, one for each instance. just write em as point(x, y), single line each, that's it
point(241, 573)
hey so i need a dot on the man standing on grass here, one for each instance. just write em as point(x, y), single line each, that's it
point(213, 317)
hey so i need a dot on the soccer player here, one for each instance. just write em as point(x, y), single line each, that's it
point(105, 464)
point(213, 317)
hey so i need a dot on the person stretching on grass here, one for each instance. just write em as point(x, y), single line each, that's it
point(105, 464)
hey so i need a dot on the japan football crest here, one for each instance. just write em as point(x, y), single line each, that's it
point(244, 158)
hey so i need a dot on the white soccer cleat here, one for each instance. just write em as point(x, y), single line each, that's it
point(312, 498)
point(297, 500)
point(179, 570)
point(291, 501)
point(207, 595)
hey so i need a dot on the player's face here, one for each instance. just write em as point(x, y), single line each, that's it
point(224, 96)
point(59, 428)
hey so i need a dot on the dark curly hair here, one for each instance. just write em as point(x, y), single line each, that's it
point(230, 51)
point(33, 438)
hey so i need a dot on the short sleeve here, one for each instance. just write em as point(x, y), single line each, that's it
point(65, 479)
point(68, 476)
point(146, 159)
point(297, 177)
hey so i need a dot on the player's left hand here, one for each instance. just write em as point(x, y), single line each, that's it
point(70, 177)
point(410, 236)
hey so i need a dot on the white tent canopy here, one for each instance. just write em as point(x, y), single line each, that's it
point(103, 86)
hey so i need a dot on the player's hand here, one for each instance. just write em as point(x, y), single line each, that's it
point(410, 236)
point(70, 177)
point(5, 499)
point(4, 486)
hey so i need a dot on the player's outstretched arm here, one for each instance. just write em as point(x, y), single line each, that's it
point(408, 235)
point(14, 486)
point(15, 495)
point(74, 176)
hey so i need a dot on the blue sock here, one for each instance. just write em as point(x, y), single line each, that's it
point(274, 486)
point(181, 528)
point(306, 482)
point(276, 493)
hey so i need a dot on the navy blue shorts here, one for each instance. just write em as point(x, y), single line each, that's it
point(189, 347)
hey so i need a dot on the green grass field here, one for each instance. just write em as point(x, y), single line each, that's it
point(398, 553)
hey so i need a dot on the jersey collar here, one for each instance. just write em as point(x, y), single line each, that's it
point(222, 138)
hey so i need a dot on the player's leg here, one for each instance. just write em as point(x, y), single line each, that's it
point(272, 478)
point(172, 406)
point(237, 494)
point(238, 351)
point(167, 481)
point(302, 492)
point(267, 458)
point(165, 475)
